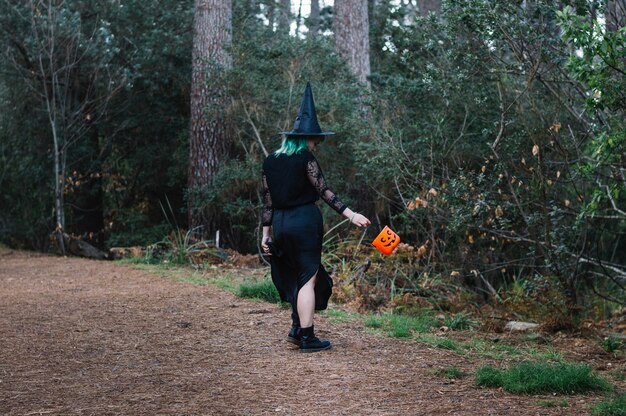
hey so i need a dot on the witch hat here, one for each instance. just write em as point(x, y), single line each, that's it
point(306, 122)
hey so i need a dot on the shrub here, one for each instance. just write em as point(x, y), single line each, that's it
point(612, 343)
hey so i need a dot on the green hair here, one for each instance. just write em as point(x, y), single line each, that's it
point(292, 145)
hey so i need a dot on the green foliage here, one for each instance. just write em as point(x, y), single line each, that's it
point(541, 378)
point(612, 343)
point(612, 406)
point(451, 373)
point(266, 82)
point(447, 344)
point(135, 229)
point(458, 322)
point(262, 290)
point(553, 403)
point(485, 133)
point(401, 326)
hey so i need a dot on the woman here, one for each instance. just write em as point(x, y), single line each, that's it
point(293, 227)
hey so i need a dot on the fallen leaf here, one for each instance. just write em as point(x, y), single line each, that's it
point(555, 127)
point(535, 150)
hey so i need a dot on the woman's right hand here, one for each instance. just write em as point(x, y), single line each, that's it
point(265, 246)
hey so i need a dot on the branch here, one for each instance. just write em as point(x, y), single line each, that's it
point(569, 108)
point(251, 122)
point(619, 269)
point(502, 123)
point(607, 297)
point(613, 204)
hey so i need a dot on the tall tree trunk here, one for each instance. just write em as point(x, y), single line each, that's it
point(59, 184)
point(351, 27)
point(284, 16)
point(314, 18)
point(427, 6)
point(615, 15)
point(212, 35)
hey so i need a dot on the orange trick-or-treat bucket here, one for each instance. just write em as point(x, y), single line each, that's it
point(386, 241)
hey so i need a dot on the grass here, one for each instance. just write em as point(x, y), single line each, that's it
point(401, 326)
point(451, 373)
point(612, 406)
point(226, 281)
point(458, 322)
point(495, 350)
point(443, 343)
point(262, 290)
point(339, 316)
point(553, 403)
point(536, 378)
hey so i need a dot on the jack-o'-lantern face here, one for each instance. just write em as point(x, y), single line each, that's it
point(386, 241)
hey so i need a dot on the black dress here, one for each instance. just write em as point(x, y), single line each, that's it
point(291, 186)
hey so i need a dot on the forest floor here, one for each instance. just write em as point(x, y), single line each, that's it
point(85, 337)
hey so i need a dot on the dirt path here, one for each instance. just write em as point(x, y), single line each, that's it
point(81, 337)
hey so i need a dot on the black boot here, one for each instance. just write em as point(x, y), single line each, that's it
point(310, 343)
point(294, 335)
point(294, 332)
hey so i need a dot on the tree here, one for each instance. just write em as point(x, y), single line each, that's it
point(284, 16)
point(428, 6)
point(314, 18)
point(351, 27)
point(615, 14)
point(212, 36)
point(66, 67)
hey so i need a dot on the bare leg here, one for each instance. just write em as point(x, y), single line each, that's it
point(306, 303)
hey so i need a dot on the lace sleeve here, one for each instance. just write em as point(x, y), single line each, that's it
point(268, 210)
point(314, 172)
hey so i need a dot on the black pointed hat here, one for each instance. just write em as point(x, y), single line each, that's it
point(306, 122)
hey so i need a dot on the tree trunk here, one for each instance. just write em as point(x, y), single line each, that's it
point(427, 6)
point(209, 97)
point(351, 26)
point(615, 15)
point(314, 18)
point(284, 16)
point(59, 183)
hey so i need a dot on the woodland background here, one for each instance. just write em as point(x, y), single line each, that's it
point(490, 135)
